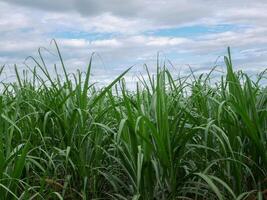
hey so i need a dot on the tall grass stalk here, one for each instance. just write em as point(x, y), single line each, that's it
point(171, 138)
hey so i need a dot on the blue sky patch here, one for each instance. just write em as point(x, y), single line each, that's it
point(74, 34)
point(194, 31)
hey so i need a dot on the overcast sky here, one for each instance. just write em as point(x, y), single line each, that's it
point(131, 32)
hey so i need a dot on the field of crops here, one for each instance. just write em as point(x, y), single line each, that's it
point(171, 138)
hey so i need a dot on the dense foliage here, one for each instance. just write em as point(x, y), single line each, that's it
point(170, 138)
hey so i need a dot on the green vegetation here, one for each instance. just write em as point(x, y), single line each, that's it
point(170, 138)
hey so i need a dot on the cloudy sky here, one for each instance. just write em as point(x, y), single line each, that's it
point(131, 32)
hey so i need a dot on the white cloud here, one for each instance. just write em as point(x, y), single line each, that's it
point(75, 43)
point(12, 19)
point(158, 12)
point(26, 25)
point(106, 43)
point(166, 41)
